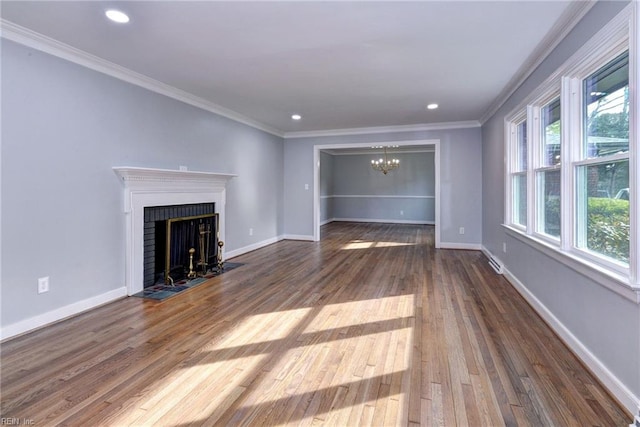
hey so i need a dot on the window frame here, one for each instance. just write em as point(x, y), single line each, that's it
point(537, 142)
point(566, 83)
point(579, 158)
point(514, 170)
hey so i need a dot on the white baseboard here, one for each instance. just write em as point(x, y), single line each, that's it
point(486, 251)
point(237, 252)
point(326, 221)
point(385, 221)
point(608, 379)
point(298, 237)
point(61, 313)
point(240, 251)
point(464, 246)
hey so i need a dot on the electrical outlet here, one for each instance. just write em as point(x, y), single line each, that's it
point(461, 231)
point(183, 168)
point(306, 186)
point(43, 285)
point(251, 232)
point(401, 213)
point(504, 247)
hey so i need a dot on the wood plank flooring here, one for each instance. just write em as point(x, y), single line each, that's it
point(370, 326)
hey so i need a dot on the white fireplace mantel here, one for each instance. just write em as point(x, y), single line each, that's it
point(145, 187)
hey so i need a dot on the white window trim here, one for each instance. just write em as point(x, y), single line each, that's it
point(511, 134)
point(537, 223)
point(634, 142)
point(599, 160)
point(615, 282)
point(577, 158)
point(619, 35)
point(550, 93)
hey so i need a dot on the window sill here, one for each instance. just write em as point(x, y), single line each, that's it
point(613, 281)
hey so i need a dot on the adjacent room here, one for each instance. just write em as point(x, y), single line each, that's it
point(342, 213)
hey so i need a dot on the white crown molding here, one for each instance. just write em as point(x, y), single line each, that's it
point(370, 151)
point(567, 21)
point(32, 39)
point(26, 37)
point(384, 129)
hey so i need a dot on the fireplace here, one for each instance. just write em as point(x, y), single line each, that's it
point(144, 188)
point(180, 242)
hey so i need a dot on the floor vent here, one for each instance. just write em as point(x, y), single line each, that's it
point(496, 264)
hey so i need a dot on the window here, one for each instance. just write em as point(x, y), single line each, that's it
point(547, 174)
point(519, 176)
point(568, 180)
point(602, 170)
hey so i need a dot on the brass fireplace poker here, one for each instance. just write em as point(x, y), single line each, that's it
point(205, 231)
point(220, 262)
point(192, 274)
point(220, 245)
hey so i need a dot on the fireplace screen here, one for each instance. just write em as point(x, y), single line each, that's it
point(180, 242)
point(191, 246)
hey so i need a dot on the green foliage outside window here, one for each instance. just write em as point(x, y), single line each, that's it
point(552, 217)
point(608, 227)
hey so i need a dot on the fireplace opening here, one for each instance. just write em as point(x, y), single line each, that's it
point(180, 242)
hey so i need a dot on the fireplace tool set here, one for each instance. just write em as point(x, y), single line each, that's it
point(204, 231)
point(201, 261)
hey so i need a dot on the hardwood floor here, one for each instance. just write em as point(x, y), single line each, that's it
point(371, 326)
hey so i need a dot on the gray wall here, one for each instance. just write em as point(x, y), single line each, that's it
point(607, 324)
point(354, 177)
point(326, 187)
point(460, 179)
point(63, 128)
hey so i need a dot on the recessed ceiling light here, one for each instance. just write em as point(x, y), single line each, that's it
point(432, 106)
point(296, 116)
point(117, 16)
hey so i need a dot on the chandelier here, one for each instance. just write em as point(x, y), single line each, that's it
point(385, 165)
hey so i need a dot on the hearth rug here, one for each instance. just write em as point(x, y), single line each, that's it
point(161, 292)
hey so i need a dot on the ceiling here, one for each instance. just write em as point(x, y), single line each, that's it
point(341, 65)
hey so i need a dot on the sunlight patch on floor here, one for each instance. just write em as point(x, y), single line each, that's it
point(349, 340)
point(279, 324)
point(351, 313)
point(217, 368)
point(354, 373)
point(357, 244)
point(345, 344)
point(392, 244)
point(362, 244)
